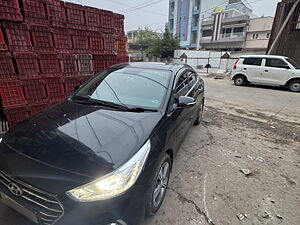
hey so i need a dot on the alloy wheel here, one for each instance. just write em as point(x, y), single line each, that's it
point(295, 86)
point(239, 81)
point(161, 184)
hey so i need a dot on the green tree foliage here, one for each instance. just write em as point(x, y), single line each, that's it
point(157, 45)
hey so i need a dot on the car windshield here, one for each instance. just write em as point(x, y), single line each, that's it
point(294, 64)
point(128, 87)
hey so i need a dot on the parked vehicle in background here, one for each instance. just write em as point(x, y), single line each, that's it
point(267, 70)
point(104, 155)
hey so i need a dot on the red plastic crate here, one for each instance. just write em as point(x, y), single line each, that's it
point(107, 21)
point(85, 66)
point(99, 63)
point(71, 83)
point(49, 64)
point(15, 115)
point(35, 11)
point(11, 93)
point(34, 109)
point(18, 36)
point(7, 70)
point(56, 12)
point(10, 10)
point(3, 46)
point(109, 44)
point(68, 65)
point(62, 39)
point(75, 15)
point(41, 38)
point(111, 60)
point(97, 43)
point(55, 89)
point(34, 91)
point(80, 40)
point(123, 59)
point(92, 18)
point(27, 65)
point(119, 23)
point(85, 79)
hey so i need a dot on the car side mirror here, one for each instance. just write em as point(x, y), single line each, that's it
point(185, 102)
point(77, 87)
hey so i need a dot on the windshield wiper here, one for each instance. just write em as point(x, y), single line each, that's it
point(91, 101)
point(139, 109)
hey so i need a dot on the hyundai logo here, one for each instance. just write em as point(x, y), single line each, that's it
point(15, 189)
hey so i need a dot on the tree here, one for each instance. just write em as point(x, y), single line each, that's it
point(146, 37)
point(165, 47)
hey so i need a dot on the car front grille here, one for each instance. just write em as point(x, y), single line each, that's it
point(46, 206)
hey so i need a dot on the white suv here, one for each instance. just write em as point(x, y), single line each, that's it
point(268, 70)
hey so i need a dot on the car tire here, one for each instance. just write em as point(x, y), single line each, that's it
point(294, 86)
point(240, 80)
point(160, 181)
point(200, 113)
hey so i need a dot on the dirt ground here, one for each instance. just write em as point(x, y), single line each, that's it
point(240, 166)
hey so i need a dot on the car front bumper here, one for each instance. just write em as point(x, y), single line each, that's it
point(46, 209)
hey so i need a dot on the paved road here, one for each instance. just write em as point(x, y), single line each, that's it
point(254, 128)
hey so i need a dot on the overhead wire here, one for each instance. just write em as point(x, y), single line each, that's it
point(189, 17)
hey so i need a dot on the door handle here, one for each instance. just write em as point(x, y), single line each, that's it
point(266, 70)
point(244, 68)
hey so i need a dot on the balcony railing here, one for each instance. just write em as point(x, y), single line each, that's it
point(233, 35)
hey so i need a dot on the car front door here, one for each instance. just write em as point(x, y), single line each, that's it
point(181, 116)
point(275, 71)
point(195, 89)
point(253, 68)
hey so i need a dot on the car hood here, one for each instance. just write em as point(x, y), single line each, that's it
point(72, 140)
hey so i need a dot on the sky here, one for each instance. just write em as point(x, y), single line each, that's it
point(156, 15)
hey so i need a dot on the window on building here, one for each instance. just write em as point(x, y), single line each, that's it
point(278, 63)
point(207, 33)
point(298, 23)
point(197, 5)
point(238, 29)
point(255, 36)
point(194, 37)
point(252, 61)
point(195, 20)
point(226, 32)
point(268, 35)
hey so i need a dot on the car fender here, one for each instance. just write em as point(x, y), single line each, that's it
point(239, 73)
point(293, 77)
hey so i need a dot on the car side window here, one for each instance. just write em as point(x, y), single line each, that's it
point(277, 63)
point(252, 61)
point(182, 85)
point(192, 77)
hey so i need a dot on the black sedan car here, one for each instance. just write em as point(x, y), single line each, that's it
point(104, 155)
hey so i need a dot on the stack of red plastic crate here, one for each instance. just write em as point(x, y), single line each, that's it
point(48, 47)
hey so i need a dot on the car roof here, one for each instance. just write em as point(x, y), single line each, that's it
point(263, 56)
point(151, 65)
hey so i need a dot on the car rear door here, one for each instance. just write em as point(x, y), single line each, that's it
point(252, 66)
point(275, 71)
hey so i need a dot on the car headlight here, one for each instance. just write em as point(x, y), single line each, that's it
point(114, 183)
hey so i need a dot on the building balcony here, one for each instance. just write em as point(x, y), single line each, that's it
point(236, 19)
point(195, 28)
point(196, 12)
point(207, 23)
point(233, 37)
